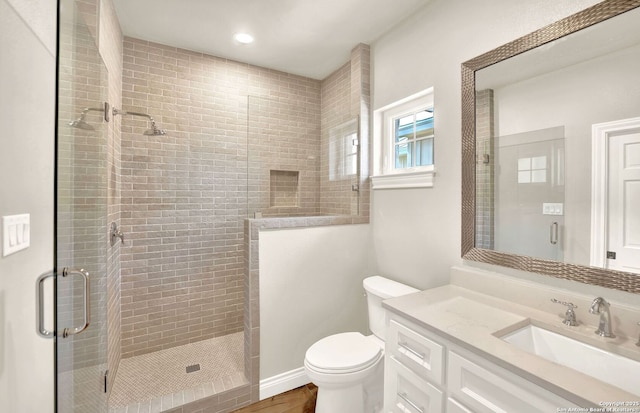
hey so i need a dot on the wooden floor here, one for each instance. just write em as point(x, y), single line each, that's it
point(300, 400)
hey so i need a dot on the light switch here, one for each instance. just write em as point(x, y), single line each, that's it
point(15, 233)
point(19, 233)
point(549, 208)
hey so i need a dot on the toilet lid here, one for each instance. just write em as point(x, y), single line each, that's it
point(343, 353)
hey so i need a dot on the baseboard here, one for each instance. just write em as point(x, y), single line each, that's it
point(283, 382)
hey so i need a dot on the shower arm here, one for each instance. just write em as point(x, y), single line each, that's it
point(117, 111)
point(85, 110)
point(104, 110)
point(154, 131)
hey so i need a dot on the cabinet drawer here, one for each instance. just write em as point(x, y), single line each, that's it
point(455, 407)
point(417, 352)
point(487, 391)
point(406, 392)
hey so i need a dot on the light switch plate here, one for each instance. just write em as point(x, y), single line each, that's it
point(549, 208)
point(16, 233)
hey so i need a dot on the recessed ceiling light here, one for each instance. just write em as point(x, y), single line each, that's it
point(244, 38)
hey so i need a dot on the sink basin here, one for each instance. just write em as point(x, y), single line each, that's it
point(603, 365)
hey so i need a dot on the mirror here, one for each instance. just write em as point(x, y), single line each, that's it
point(551, 150)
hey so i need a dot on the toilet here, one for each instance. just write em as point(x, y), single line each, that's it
point(348, 368)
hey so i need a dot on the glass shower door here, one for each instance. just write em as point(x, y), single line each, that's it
point(529, 201)
point(81, 214)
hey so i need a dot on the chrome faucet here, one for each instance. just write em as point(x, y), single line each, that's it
point(570, 315)
point(600, 306)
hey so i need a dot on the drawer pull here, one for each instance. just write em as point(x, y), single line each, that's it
point(405, 346)
point(406, 399)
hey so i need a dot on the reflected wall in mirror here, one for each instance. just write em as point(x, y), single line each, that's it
point(551, 150)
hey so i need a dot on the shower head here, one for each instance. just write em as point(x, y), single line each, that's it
point(80, 123)
point(154, 131)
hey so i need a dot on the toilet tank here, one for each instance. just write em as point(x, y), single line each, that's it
point(378, 289)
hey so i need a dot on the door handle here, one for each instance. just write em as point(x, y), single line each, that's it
point(87, 301)
point(42, 331)
point(553, 233)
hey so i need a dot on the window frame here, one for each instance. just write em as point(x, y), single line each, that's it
point(385, 174)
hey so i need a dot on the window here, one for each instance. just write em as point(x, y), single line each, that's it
point(404, 143)
point(532, 170)
point(343, 151)
point(413, 139)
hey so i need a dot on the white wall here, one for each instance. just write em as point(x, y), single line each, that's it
point(310, 287)
point(416, 232)
point(27, 112)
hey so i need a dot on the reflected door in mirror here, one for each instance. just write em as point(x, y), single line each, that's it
point(623, 238)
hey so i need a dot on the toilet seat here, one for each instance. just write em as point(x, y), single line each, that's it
point(343, 353)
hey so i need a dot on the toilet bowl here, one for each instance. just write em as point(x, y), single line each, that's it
point(348, 368)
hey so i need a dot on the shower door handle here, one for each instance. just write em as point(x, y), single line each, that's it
point(553, 233)
point(87, 301)
point(42, 331)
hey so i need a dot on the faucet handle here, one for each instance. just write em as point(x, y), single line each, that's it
point(570, 305)
point(570, 315)
point(115, 232)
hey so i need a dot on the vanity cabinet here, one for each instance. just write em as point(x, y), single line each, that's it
point(425, 373)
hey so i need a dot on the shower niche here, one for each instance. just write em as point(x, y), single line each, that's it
point(284, 189)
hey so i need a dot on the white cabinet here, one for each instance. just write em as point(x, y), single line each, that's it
point(409, 392)
point(423, 356)
point(455, 407)
point(426, 373)
point(497, 390)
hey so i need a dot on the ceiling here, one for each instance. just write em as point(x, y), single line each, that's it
point(310, 38)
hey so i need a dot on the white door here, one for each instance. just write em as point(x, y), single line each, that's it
point(623, 239)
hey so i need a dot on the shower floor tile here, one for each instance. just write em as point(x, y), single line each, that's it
point(159, 381)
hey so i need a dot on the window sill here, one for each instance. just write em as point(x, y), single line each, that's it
point(420, 179)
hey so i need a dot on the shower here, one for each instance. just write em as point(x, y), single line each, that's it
point(176, 310)
point(81, 122)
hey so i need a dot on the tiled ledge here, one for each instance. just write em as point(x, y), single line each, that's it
point(259, 224)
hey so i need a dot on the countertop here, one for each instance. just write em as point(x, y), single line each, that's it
point(474, 321)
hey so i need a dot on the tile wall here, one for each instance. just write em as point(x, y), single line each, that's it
point(283, 142)
point(335, 186)
point(485, 169)
point(346, 98)
point(290, 137)
point(184, 195)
